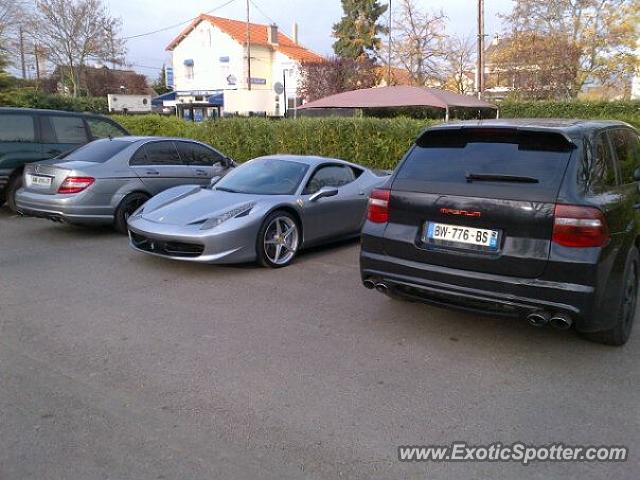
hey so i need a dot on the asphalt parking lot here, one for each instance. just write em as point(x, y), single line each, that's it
point(116, 365)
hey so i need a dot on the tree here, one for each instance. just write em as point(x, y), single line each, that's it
point(533, 66)
point(114, 45)
point(459, 64)
point(582, 40)
point(11, 13)
point(160, 85)
point(419, 43)
point(335, 75)
point(357, 33)
point(75, 31)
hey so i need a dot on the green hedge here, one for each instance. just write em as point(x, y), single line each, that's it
point(31, 98)
point(378, 143)
point(625, 111)
point(375, 142)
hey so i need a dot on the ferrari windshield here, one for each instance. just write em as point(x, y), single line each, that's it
point(267, 176)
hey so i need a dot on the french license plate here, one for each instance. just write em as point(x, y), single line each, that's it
point(456, 234)
point(39, 181)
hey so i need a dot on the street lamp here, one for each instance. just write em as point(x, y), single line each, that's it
point(285, 71)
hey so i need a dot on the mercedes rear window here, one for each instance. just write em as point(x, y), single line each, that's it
point(471, 158)
point(98, 151)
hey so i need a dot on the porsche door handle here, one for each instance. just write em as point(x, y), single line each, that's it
point(152, 172)
point(201, 173)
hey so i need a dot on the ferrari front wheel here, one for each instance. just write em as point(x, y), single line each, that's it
point(278, 240)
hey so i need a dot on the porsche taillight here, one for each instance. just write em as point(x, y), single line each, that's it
point(378, 209)
point(579, 227)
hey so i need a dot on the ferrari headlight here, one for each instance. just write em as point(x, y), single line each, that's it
point(233, 213)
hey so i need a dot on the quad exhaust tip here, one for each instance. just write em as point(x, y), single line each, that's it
point(382, 288)
point(557, 320)
point(539, 319)
point(561, 321)
point(370, 284)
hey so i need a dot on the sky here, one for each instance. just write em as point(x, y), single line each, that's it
point(315, 19)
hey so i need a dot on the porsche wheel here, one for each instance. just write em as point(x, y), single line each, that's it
point(278, 240)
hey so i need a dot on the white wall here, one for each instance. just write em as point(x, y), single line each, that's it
point(292, 67)
point(242, 102)
point(133, 103)
point(206, 45)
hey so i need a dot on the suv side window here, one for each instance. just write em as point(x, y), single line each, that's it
point(329, 176)
point(634, 142)
point(17, 128)
point(162, 153)
point(603, 171)
point(625, 153)
point(101, 128)
point(69, 129)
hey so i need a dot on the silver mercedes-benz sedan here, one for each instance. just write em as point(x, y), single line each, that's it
point(105, 181)
point(266, 210)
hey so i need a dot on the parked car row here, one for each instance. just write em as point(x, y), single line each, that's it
point(30, 135)
point(105, 181)
point(536, 219)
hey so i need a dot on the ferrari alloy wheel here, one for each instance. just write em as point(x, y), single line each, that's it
point(279, 239)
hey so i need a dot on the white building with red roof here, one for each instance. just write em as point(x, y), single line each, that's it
point(210, 57)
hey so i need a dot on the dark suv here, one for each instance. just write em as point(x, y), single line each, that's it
point(530, 218)
point(29, 135)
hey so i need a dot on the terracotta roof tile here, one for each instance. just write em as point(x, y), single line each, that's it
point(237, 30)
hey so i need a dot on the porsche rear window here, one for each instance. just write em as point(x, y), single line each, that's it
point(451, 155)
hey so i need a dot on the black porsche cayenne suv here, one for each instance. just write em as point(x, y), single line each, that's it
point(532, 218)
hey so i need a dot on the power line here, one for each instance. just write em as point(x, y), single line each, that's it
point(262, 12)
point(164, 29)
point(143, 66)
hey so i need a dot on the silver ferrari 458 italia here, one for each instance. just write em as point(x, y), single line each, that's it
point(266, 210)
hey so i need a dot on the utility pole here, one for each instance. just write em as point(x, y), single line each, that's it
point(248, 49)
point(480, 66)
point(389, 52)
point(22, 61)
point(37, 57)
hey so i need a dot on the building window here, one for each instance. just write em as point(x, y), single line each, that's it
point(188, 68)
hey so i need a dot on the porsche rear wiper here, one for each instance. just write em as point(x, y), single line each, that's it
point(498, 177)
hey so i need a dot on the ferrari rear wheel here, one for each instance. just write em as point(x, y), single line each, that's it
point(278, 240)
